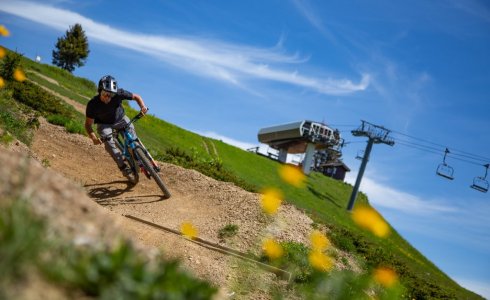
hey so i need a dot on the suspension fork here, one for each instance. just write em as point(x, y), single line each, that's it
point(155, 165)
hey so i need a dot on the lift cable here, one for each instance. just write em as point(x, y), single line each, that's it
point(464, 153)
point(431, 150)
point(428, 146)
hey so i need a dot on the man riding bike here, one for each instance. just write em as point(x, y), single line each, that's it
point(105, 109)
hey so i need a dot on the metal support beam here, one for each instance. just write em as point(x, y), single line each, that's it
point(310, 152)
point(365, 159)
point(377, 135)
point(283, 155)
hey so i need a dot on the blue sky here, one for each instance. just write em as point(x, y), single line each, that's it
point(228, 68)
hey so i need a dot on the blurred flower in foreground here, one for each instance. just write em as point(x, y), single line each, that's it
point(19, 75)
point(2, 52)
point(188, 230)
point(292, 175)
point(2, 82)
point(271, 199)
point(386, 277)
point(370, 219)
point(4, 31)
point(272, 249)
point(320, 261)
point(319, 242)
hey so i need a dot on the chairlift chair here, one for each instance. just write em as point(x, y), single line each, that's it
point(444, 169)
point(480, 183)
point(360, 155)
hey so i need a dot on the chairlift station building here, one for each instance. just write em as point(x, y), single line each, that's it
point(299, 137)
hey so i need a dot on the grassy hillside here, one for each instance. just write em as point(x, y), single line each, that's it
point(323, 198)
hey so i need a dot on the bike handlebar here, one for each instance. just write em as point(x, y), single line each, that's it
point(134, 119)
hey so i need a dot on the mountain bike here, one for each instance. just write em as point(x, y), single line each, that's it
point(137, 156)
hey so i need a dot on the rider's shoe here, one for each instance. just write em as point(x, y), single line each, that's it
point(126, 170)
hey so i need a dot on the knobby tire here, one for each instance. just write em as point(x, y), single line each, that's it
point(149, 168)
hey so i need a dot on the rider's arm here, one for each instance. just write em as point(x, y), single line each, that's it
point(140, 102)
point(90, 131)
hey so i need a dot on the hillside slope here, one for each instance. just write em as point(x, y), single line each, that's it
point(208, 204)
point(211, 205)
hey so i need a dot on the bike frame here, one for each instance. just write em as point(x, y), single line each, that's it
point(130, 144)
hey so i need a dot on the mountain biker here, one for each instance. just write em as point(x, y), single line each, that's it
point(105, 109)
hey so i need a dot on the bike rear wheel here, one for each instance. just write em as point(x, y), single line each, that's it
point(149, 168)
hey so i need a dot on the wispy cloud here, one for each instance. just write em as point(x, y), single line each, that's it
point(225, 139)
point(473, 8)
point(381, 195)
point(444, 220)
point(314, 19)
point(220, 60)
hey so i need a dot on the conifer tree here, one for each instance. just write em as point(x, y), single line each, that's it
point(71, 49)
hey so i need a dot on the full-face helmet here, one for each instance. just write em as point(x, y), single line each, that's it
point(108, 84)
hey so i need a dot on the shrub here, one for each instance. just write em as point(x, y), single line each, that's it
point(70, 125)
point(15, 120)
point(9, 64)
point(6, 138)
point(30, 94)
point(230, 230)
point(57, 119)
point(20, 242)
point(121, 273)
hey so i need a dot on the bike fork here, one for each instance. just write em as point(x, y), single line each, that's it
point(155, 165)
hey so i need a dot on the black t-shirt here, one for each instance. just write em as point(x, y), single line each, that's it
point(109, 113)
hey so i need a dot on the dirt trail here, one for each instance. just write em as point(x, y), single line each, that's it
point(206, 203)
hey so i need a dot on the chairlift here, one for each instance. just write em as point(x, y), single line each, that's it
point(360, 155)
point(444, 169)
point(480, 183)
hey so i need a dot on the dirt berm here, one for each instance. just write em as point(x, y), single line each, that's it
point(78, 189)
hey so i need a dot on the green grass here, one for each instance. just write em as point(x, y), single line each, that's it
point(228, 231)
point(71, 84)
point(58, 89)
point(323, 199)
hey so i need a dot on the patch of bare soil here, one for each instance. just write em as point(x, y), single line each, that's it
point(74, 168)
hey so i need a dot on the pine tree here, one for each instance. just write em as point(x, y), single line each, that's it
point(72, 49)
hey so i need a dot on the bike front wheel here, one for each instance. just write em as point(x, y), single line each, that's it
point(149, 168)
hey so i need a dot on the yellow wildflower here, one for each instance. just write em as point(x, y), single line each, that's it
point(385, 276)
point(4, 31)
point(188, 230)
point(271, 200)
point(272, 249)
point(292, 175)
point(2, 82)
point(2, 52)
point(319, 242)
point(320, 261)
point(370, 219)
point(19, 75)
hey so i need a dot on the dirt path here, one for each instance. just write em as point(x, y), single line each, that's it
point(206, 203)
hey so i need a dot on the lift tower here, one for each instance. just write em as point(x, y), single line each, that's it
point(377, 135)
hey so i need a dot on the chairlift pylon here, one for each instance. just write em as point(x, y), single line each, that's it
point(444, 169)
point(480, 183)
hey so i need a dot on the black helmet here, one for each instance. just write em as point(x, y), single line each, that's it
point(108, 83)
